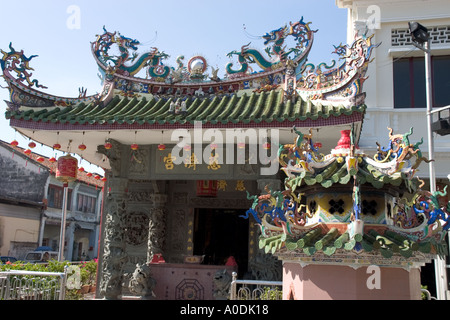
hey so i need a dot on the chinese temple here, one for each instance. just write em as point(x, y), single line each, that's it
point(184, 149)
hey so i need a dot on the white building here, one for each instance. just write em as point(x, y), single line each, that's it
point(395, 87)
point(396, 78)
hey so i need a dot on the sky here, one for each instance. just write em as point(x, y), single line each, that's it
point(60, 33)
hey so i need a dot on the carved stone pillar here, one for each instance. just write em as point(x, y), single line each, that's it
point(114, 255)
point(157, 226)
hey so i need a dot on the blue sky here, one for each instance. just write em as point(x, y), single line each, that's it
point(203, 27)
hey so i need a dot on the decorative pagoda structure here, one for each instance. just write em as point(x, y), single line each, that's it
point(163, 194)
point(350, 225)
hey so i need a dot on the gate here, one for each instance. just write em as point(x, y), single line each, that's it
point(32, 285)
point(255, 289)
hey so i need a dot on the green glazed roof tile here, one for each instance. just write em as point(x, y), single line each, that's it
point(387, 243)
point(254, 107)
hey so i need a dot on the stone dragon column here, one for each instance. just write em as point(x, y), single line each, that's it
point(157, 226)
point(113, 256)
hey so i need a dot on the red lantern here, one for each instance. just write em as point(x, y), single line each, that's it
point(241, 145)
point(40, 159)
point(89, 174)
point(67, 168)
point(134, 146)
point(52, 159)
point(161, 146)
point(187, 147)
point(97, 177)
point(82, 147)
point(56, 146)
point(266, 146)
point(14, 143)
point(27, 152)
point(108, 145)
point(81, 169)
point(32, 145)
point(104, 179)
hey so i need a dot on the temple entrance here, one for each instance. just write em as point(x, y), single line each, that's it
point(219, 234)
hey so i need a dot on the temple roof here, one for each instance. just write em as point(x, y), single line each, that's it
point(264, 108)
point(277, 88)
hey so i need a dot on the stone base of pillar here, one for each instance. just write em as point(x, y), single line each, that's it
point(331, 282)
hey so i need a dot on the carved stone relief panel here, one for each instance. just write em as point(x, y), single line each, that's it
point(136, 228)
point(156, 232)
point(178, 235)
point(139, 162)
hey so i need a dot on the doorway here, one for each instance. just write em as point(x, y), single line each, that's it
point(221, 233)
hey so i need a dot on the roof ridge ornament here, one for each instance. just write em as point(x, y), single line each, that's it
point(18, 62)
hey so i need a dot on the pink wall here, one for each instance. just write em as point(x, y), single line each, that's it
point(328, 282)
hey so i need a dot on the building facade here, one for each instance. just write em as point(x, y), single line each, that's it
point(32, 206)
point(395, 86)
point(396, 95)
point(22, 192)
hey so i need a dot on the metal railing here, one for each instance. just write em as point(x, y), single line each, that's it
point(255, 289)
point(32, 285)
point(427, 294)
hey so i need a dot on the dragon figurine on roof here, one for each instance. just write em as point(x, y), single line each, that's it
point(127, 48)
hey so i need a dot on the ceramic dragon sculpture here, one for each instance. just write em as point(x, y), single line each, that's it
point(423, 208)
point(17, 62)
point(277, 53)
point(399, 152)
point(277, 208)
point(128, 54)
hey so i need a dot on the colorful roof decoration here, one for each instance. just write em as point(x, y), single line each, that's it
point(331, 204)
point(274, 88)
